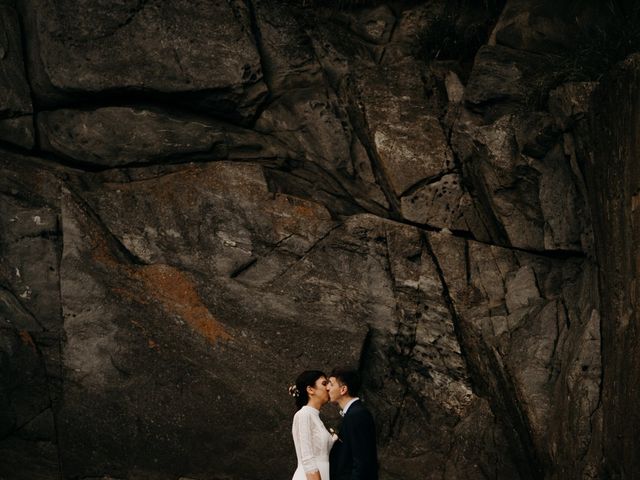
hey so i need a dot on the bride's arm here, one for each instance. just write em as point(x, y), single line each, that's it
point(313, 476)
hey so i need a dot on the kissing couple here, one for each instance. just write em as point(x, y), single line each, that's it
point(349, 455)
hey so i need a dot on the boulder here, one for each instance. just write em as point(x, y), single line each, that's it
point(197, 53)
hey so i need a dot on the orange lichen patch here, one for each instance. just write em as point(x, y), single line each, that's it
point(178, 295)
point(168, 285)
point(27, 339)
point(309, 211)
point(294, 215)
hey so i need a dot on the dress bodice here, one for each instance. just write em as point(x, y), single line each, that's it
point(312, 440)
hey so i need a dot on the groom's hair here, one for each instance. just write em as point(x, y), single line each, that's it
point(348, 377)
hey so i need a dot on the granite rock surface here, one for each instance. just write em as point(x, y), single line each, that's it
point(198, 200)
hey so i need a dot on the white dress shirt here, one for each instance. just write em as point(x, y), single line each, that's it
point(346, 407)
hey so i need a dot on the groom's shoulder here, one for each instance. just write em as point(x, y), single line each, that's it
point(360, 409)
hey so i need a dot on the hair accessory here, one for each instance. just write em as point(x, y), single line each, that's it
point(293, 391)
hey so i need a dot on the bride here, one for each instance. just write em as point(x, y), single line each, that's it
point(311, 438)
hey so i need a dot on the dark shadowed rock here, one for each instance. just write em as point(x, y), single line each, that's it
point(29, 460)
point(513, 153)
point(27, 432)
point(16, 123)
point(375, 25)
point(413, 21)
point(503, 80)
point(571, 102)
point(18, 130)
point(14, 315)
point(25, 395)
point(537, 134)
point(534, 27)
point(613, 177)
point(15, 98)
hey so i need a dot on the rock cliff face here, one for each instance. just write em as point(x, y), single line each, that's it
point(614, 183)
point(198, 200)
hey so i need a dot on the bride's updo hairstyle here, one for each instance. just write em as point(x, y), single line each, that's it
point(299, 390)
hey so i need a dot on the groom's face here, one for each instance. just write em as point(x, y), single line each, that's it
point(336, 391)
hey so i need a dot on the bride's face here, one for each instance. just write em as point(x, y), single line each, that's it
point(320, 390)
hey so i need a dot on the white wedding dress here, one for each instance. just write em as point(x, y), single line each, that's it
point(313, 443)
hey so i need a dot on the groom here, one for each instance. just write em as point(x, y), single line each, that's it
point(353, 456)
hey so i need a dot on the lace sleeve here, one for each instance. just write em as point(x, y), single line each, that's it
point(303, 436)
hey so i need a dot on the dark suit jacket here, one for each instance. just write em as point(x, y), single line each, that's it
point(354, 455)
